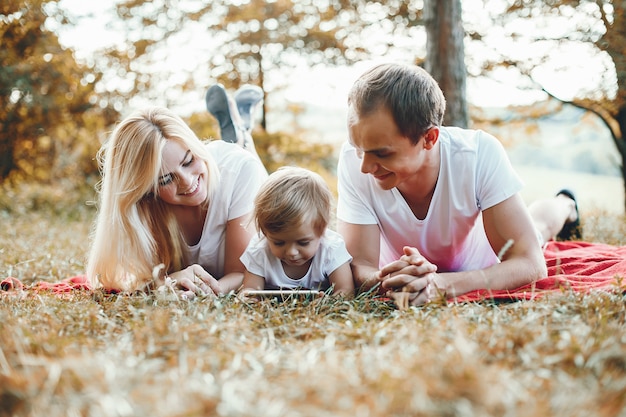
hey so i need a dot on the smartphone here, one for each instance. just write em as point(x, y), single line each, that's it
point(284, 294)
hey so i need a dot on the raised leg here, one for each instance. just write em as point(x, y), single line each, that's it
point(557, 216)
point(247, 97)
point(225, 111)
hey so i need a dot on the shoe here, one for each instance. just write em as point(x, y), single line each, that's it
point(247, 97)
point(571, 230)
point(217, 104)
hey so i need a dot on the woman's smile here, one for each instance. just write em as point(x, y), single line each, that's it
point(193, 188)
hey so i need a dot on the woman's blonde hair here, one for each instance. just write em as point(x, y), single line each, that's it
point(135, 231)
point(291, 197)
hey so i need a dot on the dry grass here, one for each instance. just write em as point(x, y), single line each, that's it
point(106, 355)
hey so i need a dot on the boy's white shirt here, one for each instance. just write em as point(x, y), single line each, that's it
point(331, 254)
point(475, 174)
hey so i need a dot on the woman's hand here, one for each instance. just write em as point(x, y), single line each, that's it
point(195, 281)
point(410, 279)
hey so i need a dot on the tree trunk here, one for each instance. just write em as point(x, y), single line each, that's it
point(8, 139)
point(621, 145)
point(612, 42)
point(445, 56)
point(7, 164)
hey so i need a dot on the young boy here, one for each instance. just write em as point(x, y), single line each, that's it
point(294, 248)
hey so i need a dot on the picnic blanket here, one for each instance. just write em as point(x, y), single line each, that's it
point(78, 282)
point(572, 266)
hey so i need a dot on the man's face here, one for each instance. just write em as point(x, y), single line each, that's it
point(386, 154)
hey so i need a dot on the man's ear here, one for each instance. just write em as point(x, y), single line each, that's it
point(431, 137)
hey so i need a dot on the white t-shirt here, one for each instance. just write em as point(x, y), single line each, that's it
point(240, 177)
point(331, 254)
point(475, 174)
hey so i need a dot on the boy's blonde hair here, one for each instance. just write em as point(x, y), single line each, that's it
point(291, 197)
point(135, 230)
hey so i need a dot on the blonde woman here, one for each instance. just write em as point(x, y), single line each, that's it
point(171, 206)
point(295, 249)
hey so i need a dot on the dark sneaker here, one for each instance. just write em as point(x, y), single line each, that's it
point(247, 97)
point(218, 105)
point(571, 230)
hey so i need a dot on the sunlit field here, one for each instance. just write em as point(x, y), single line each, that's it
point(95, 354)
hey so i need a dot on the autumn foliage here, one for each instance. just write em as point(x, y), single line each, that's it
point(54, 115)
point(51, 118)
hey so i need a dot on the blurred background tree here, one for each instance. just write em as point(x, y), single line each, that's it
point(49, 117)
point(55, 111)
point(591, 29)
point(445, 56)
point(245, 41)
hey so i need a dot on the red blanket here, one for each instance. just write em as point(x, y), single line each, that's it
point(572, 266)
point(78, 282)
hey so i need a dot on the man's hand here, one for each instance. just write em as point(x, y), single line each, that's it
point(410, 279)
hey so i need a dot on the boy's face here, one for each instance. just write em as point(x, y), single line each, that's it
point(294, 247)
point(385, 153)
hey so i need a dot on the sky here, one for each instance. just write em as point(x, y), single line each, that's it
point(329, 86)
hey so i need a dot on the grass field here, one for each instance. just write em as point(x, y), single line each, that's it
point(93, 354)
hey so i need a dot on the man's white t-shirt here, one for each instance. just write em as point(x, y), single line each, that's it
point(240, 177)
point(331, 254)
point(475, 174)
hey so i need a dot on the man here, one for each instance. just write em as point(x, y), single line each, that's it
point(430, 210)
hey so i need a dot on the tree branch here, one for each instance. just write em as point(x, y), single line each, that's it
point(597, 109)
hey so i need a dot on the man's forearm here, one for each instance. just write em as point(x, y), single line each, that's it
point(509, 274)
point(365, 277)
